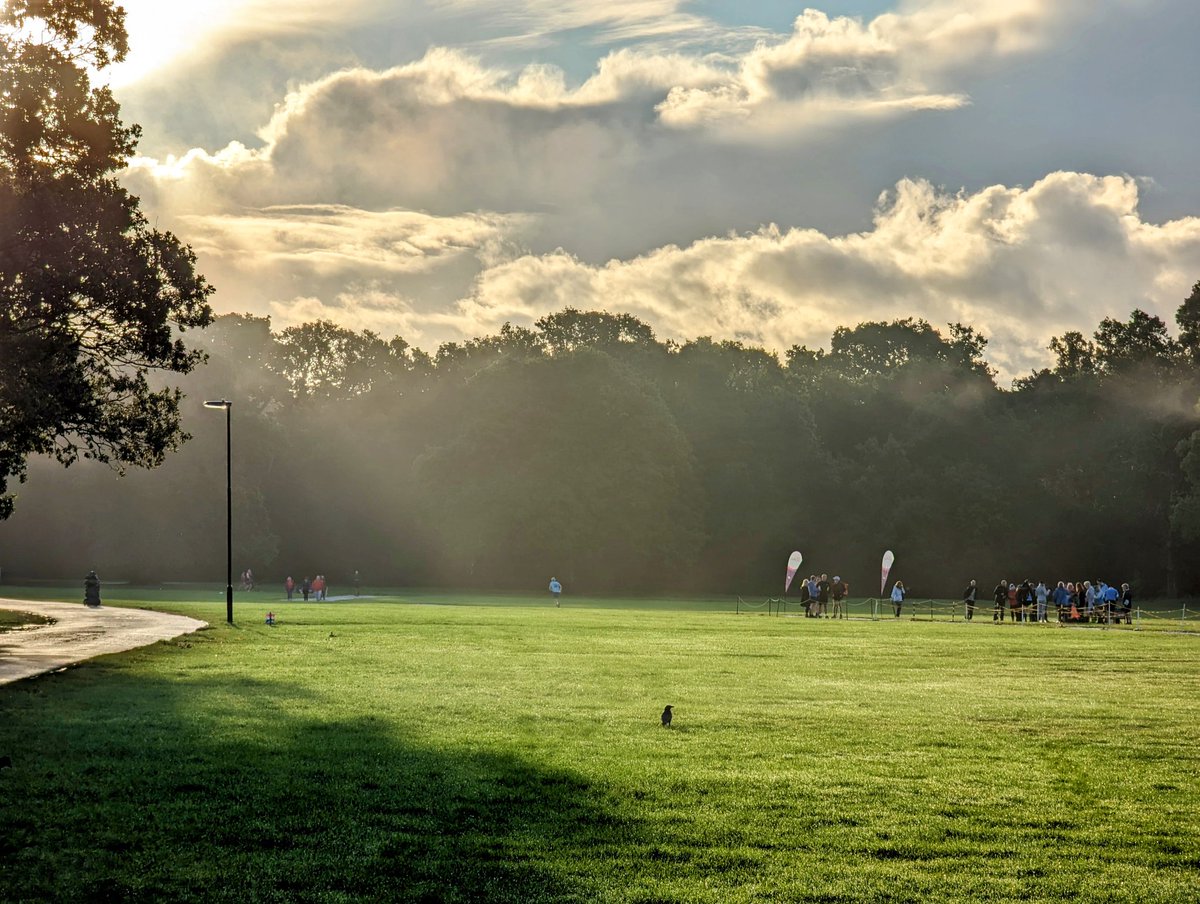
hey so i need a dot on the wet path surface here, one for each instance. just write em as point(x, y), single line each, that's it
point(79, 633)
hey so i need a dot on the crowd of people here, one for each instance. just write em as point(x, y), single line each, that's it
point(315, 588)
point(816, 593)
point(1074, 602)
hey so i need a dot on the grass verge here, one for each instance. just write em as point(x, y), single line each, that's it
point(512, 752)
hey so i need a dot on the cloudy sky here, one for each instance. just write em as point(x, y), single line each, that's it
point(755, 170)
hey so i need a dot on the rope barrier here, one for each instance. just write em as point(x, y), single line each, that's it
point(879, 609)
point(1167, 620)
point(833, 609)
point(742, 604)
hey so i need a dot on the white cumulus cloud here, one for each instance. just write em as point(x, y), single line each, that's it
point(1020, 264)
point(431, 195)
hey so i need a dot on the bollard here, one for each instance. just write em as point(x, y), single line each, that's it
point(91, 590)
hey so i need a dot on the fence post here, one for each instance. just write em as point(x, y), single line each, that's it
point(1138, 625)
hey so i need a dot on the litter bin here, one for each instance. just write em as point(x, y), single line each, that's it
point(91, 589)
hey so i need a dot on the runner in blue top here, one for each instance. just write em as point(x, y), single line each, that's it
point(556, 589)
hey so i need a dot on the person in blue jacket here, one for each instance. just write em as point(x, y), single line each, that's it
point(1061, 597)
point(1111, 596)
point(556, 589)
point(898, 594)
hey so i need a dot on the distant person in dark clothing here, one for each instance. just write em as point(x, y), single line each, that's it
point(1000, 596)
point(1127, 603)
point(306, 587)
point(1024, 600)
point(969, 600)
point(839, 590)
point(823, 596)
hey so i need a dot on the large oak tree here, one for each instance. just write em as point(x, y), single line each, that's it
point(92, 299)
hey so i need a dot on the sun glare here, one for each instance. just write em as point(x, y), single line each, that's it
point(160, 33)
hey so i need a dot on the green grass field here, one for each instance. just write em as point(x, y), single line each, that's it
point(384, 750)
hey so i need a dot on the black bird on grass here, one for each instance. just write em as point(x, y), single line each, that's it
point(666, 717)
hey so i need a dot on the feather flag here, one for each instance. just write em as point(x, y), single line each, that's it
point(888, 559)
point(794, 561)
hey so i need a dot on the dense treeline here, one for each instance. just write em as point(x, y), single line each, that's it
point(586, 448)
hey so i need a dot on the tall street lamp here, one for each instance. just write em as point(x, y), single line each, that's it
point(228, 406)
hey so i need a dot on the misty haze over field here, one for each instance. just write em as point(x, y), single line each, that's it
point(588, 449)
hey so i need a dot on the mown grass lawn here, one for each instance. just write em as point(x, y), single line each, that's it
point(11, 620)
point(383, 750)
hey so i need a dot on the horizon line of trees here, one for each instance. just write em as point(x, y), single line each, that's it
point(586, 448)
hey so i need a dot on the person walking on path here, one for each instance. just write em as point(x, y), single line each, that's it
point(306, 587)
point(898, 594)
point(969, 600)
point(1041, 593)
point(91, 590)
point(289, 587)
point(556, 589)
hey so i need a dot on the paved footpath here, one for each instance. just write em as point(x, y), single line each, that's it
point(80, 633)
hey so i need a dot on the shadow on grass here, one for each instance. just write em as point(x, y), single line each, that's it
point(129, 789)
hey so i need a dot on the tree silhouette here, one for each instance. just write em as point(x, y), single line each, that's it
point(92, 299)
